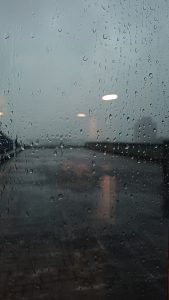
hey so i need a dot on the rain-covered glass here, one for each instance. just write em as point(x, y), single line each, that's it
point(84, 149)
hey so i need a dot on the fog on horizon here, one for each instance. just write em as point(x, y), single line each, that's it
point(59, 58)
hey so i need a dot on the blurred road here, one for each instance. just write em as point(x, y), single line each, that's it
point(78, 224)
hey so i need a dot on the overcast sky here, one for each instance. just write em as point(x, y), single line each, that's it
point(59, 58)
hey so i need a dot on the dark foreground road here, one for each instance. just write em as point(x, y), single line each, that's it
point(82, 225)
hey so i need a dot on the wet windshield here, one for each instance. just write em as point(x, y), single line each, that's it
point(84, 149)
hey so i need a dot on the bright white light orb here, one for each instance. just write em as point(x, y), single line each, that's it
point(110, 97)
point(1, 113)
point(81, 115)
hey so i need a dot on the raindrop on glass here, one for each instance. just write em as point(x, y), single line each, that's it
point(6, 36)
point(60, 196)
point(85, 58)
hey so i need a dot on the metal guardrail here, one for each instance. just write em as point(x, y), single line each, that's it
point(145, 151)
point(166, 163)
point(6, 155)
point(8, 147)
point(9, 154)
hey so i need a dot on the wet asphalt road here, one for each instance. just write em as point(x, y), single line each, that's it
point(79, 224)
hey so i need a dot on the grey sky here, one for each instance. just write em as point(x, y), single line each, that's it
point(58, 58)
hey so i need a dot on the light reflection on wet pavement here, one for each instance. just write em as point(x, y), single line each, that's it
point(81, 225)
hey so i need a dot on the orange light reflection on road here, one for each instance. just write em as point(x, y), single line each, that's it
point(78, 168)
point(107, 202)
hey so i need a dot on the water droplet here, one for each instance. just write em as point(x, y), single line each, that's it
point(81, 131)
point(90, 112)
point(60, 196)
point(52, 198)
point(6, 36)
point(125, 186)
point(105, 37)
point(85, 58)
point(55, 152)
point(27, 213)
point(151, 75)
point(89, 211)
point(110, 116)
point(37, 142)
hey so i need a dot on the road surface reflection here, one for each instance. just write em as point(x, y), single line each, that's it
point(107, 202)
point(72, 225)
